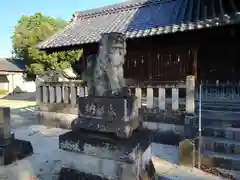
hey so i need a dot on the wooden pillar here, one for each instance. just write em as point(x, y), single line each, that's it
point(195, 63)
point(192, 65)
point(149, 61)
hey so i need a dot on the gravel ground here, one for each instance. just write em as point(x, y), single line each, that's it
point(47, 160)
point(46, 163)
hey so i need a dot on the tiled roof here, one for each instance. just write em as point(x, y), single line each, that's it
point(7, 65)
point(139, 18)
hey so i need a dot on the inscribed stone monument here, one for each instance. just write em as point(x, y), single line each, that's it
point(107, 110)
point(109, 107)
point(11, 149)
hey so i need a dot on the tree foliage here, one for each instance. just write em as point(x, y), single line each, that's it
point(29, 31)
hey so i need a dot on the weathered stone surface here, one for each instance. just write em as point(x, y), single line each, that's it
point(227, 133)
point(108, 114)
point(66, 174)
point(57, 108)
point(109, 108)
point(104, 72)
point(5, 123)
point(187, 153)
point(190, 126)
point(106, 145)
point(147, 173)
point(221, 145)
point(129, 158)
point(54, 119)
point(11, 149)
point(220, 118)
point(210, 159)
point(169, 137)
point(157, 115)
point(18, 149)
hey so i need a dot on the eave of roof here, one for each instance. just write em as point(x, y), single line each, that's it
point(8, 65)
point(142, 18)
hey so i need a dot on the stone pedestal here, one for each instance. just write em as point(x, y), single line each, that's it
point(107, 156)
point(11, 149)
point(118, 115)
point(67, 173)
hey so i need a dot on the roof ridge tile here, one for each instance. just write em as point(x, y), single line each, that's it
point(115, 7)
point(138, 19)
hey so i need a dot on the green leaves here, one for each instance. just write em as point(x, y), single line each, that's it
point(29, 31)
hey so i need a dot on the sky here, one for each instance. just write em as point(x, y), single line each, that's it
point(12, 10)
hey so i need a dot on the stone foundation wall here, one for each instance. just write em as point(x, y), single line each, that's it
point(57, 104)
point(65, 114)
point(57, 114)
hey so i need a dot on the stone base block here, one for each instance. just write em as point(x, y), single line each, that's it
point(7, 141)
point(225, 161)
point(17, 150)
point(66, 174)
point(112, 114)
point(107, 156)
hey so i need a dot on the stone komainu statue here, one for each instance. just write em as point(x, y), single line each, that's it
point(104, 72)
point(109, 107)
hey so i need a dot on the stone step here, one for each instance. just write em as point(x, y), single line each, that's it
point(217, 106)
point(220, 145)
point(220, 118)
point(221, 115)
point(220, 160)
point(229, 133)
point(219, 102)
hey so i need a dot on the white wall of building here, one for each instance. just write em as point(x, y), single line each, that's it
point(16, 82)
point(3, 82)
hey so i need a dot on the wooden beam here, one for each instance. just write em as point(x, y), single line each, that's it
point(149, 61)
point(195, 63)
point(192, 63)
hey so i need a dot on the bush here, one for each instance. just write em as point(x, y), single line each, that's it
point(3, 91)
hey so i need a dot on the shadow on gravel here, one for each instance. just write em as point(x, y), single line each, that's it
point(28, 96)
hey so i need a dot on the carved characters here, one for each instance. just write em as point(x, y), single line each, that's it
point(93, 109)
